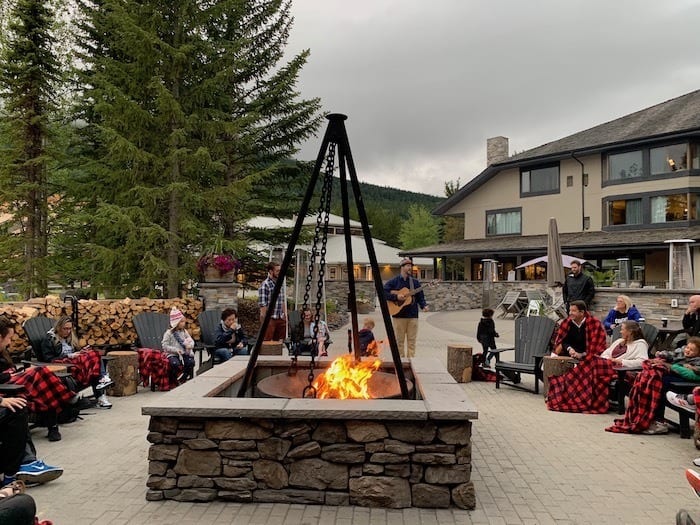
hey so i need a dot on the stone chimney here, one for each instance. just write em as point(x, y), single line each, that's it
point(496, 150)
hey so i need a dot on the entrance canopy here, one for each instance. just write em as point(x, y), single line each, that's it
point(566, 259)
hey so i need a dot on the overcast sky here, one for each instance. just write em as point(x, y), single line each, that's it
point(425, 83)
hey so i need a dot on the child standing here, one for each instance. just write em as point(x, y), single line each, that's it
point(366, 337)
point(486, 334)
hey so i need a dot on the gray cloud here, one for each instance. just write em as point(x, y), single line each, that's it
point(424, 84)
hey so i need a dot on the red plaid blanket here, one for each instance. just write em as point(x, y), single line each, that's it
point(584, 388)
point(154, 368)
point(645, 396)
point(44, 390)
point(86, 366)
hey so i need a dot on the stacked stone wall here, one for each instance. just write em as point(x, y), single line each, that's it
point(330, 462)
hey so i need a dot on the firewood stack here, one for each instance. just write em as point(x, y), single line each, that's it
point(100, 322)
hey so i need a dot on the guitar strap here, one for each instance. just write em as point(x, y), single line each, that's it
point(410, 282)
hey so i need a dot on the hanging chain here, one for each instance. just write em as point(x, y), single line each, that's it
point(320, 233)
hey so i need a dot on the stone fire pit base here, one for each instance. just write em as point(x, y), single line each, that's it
point(376, 453)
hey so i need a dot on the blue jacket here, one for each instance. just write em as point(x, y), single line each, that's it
point(609, 322)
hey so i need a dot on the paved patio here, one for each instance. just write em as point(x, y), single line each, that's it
point(530, 465)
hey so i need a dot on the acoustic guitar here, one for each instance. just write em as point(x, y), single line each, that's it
point(396, 306)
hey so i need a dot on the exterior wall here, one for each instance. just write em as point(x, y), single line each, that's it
point(331, 462)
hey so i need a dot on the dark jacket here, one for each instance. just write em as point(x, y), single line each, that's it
point(486, 333)
point(366, 336)
point(579, 288)
point(51, 348)
point(691, 324)
point(226, 337)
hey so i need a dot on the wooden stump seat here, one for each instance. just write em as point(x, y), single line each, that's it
point(459, 362)
point(555, 366)
point(271, 348)
point(123, 369)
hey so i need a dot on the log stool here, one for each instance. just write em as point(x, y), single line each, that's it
point(57, 369)
point(555, 366)
point(123, 369)
point(271, 348)
point(459, 362)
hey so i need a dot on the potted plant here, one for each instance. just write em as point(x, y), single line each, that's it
point(218, 267)
point(363, 303)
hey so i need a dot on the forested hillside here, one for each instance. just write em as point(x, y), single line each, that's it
point(386, 208)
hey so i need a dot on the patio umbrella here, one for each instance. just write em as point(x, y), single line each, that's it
point(555, 266)
point(566, 259)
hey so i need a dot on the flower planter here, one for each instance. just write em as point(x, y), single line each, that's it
point(212, 275)
point(364, 308)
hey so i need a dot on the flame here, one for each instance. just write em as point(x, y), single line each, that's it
point(346, 379)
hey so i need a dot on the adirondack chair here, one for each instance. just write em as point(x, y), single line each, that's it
point(535, 302)
point(36, 329)
point(558, 308)
point(208, 321)
point(510, 304)
point(619, 387)
point(532, 335)
point(154, 367)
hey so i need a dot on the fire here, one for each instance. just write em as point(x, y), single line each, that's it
point(346, 379)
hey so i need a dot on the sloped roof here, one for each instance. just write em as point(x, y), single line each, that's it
point(271, 223)
point(589, 241)
point(675, 117)
point(386, 255)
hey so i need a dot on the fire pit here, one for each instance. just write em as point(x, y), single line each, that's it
point(352, 381)
point(208, 444)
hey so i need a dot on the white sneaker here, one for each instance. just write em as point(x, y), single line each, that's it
point(103, 402)
point(104, 382)
point(680, 401)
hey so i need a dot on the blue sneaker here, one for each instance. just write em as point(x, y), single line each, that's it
point(6, 480)
point(38, 472)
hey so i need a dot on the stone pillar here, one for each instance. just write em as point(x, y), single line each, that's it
point(219, 295)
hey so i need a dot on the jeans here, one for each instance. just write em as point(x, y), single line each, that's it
point(222, 355)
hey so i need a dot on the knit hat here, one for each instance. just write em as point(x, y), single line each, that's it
point(175, 317)
point(406, 260)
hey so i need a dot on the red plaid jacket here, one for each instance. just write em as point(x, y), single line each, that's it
point(596, 340)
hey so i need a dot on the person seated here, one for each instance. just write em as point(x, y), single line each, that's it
point(178, 345)
point(585, 388)
point(624, 310)
point(18, 459)
point(60, 345)
point(47, 395)
point(303, 333)
point(579, 334)
point(229, 337)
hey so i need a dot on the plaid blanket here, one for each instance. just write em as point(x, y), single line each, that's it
point(154, 369)
point(584, 388)
point(44, 390)
point(645, 396)
point(596, 340)
point(86, 366)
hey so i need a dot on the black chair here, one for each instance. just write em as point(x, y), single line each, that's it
point(532, 337)
point(208, 321)
point(150, 327)
point(619, 388)
point(36, 329)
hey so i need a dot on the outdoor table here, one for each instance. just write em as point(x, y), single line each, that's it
point(664, 339)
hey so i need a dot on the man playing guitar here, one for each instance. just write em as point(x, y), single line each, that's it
point(401, 291)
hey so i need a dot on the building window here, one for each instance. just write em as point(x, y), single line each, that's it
point(668, 159)
point(503, 222)
point(669, 208)
point(628, 165)
point(332, 274)
point(539, 181)
point(625, 212)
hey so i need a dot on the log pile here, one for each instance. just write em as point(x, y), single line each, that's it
point(100, 322)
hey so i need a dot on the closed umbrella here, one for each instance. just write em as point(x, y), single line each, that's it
point(555, 266)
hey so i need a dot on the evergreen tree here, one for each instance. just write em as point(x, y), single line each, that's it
point(29, 77)
point(188, 111)
point(420, 229)
point(453, 227)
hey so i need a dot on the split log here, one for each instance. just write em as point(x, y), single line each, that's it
point(459, 362)
point(123, 369)
point(555, 366)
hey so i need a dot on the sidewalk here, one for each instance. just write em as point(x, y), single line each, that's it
point(531, 466)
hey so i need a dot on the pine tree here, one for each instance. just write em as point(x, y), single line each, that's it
point(188, 110)
point(29, 78)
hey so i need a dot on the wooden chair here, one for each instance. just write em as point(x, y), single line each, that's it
point(154, 366)
point(532, 336)
point(208, 321)
point(510, 304)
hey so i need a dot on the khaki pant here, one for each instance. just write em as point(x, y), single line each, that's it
point(406, 330)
